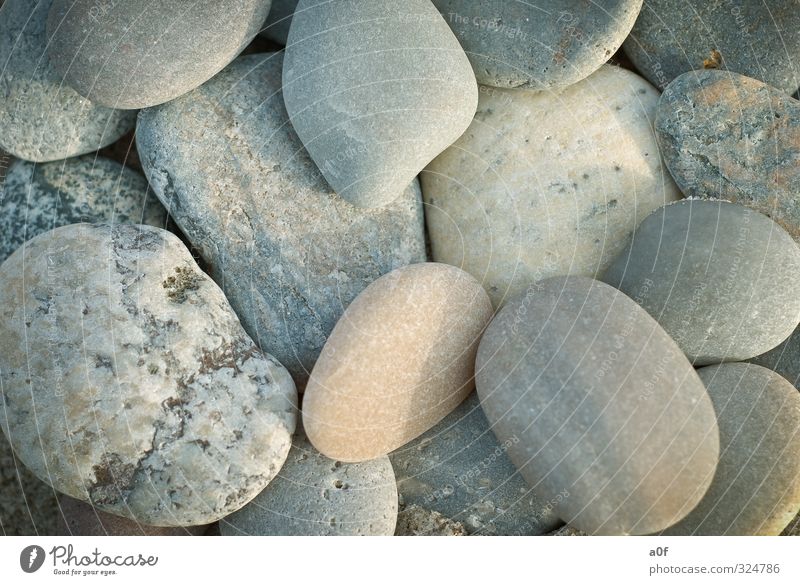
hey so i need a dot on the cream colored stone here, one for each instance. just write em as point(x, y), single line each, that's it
point(401, 358)
point(547, 183)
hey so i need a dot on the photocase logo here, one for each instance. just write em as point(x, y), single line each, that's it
point(31, 558)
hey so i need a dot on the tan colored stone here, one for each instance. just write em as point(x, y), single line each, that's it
point(547, 183)
point(401, 358)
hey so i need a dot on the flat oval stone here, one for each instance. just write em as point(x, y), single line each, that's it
point(755, 38)
point(288, 252)
point(542, 45)
point(547, 183)
point(316, 496)
point(399, 360)
point(276, 28)
point(726, 136)
point(720, 278)
point(36, 198)
point(603, 405)
point(756, 488)
point(77, 518)
point(41, 119)
point(375, 93)
point(128, 381)
point(459, 469)
point(138, 53)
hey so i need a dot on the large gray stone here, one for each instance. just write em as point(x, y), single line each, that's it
point(538, 45)
point(756, 488)
point(289, 253)
point(276, 28)
point(316, 496)
point(128, 381)
point(36, 198)
point(458, 468)
point(140, 53)
point(599, 405)
point(730, 137)
point(752, 37)
point(720, 278)
point(42, 119)
point(375, 92)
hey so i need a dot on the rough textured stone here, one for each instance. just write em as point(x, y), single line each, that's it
point(756, 488)
point(39, 197)
point(726, 136)
point(316, 496)
point(276, 28)
point(721, 279)
point(568, 530)
point(289, 253)
point(547, 183)
point(539, 45)
point(399, 360)
point(458, 468)
point(752, 37)
point(129, 382)
point(41, 119)
point(784, 359)
point(140, 53)
point(600, 405)
point(375, 93)
point(28, 506)
point(77, 518)
point(417, 521)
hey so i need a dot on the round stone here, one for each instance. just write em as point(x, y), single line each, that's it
point(726, 136)
point(543, 45)
point(128, 381)
point(316, 496)
point(289, 253)
point(720, 278)
point(276, 28)
point(599, 405)
point(459, 469)
point(400, 359)
point(756, 488)
point(752, 37)
point(139, 53)
point(375, 93)
point(547, 183)
point(36, 198)
point(42, 119)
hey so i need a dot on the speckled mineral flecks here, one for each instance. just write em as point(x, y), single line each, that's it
point(417, 521)
point(129, 382)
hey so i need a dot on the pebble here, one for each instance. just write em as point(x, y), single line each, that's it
point(752, 37)
point(417, 521)
point(600, 406)
point(316, 496)
point(726, 136)
point(289, 253)
point(721, 279)
point(544, 45)
point(77, 518)
point(399, 360)
point(547, 183)
point(276, 28)
point(39, 197)
point(458, 468)
point(756, 488)
point(41, 119)
point(375, 93)
point(129, 382)
point(136, 54)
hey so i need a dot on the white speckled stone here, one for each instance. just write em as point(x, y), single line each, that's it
point(547, 183)
point(400, 359)
point(36, 198)
point(41, 118)
point(316, 496)
point(375, 90)
point(128, 381)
